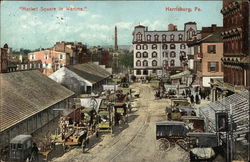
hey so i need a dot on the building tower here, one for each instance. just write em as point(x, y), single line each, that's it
point(116, 45)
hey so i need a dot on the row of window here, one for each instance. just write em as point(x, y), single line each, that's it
point(154, 63)
point(154, 54)
point(33, 57)
point(156, 37)
point(154, 46)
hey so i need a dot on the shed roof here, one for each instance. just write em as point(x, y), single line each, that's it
point(25, 93)
point(90, 71)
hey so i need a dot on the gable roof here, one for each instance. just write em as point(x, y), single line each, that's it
point(90, 71)
point(25, 93)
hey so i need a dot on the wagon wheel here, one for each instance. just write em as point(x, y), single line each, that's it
point(164, 144)
point(197, 130)
point(182, 143)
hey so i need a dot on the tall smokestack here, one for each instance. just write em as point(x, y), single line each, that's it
point(116, 45)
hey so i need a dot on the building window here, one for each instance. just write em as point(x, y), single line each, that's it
point(213, 66)
point(193, 33)
point(211, 49)
point(172, 37)
point(145, 63)
point(180, 37)
point(139, 36)
point(145, 47)
point(138, 46)
point(172, 54)
point(156, 38)
point(165, 54)
point(172, 46)
point(154, 46)
point(138, 63)
point(164, 46)
point(182, 46)
point(138, 72)
point(183, 53)
point(145, 72)
point(165, 63)
point(149, 38)
point(154, 54)
point(138, 54)
point(145, 54)
point(164, 38)
point(61, 57)
point(172, 63)
point(46, 57)
point(154, 63)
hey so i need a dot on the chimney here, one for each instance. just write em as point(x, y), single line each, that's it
point(116, 43)
point(213, 27)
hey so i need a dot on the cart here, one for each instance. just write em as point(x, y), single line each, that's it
point(120, 112)
point(169, 133)
point(201, 145)
point(177, 112)
point(195, 123)
point(104, 122)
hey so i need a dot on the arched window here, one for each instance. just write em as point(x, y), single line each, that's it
point(138, 46)
point(149, 38)
point(193, 33)
point(182, 46)
point(145, 54)
point(138, 63)
point(164, 38)
point(165, 63)
point(172, 37)
point(139, 36)
point(180, 37)
point(154, 54)
point(164, 46)
point(154, 63)
point(138, 54)
point(183, 53)
point(154, 46)
point(145, 63)
point(156, 38)
point(172, 63)
point(172, 54)
point(172, 46)
point(145, 47)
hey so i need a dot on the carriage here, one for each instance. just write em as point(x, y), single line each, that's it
point(169, 133)
point(120, 112)
point(199, 144)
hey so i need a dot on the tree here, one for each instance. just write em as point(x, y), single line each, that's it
point(126, 60)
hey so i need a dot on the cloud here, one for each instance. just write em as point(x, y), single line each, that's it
point(124, 25)
point(96, 16)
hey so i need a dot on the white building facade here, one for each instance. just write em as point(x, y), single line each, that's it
point(155, 51)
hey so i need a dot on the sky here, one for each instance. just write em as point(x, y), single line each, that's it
point(93, 22)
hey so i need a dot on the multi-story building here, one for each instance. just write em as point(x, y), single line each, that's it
point(77, 51)
point(236, 59)
point(207, 58)
point(51, 60)
point(156, 50)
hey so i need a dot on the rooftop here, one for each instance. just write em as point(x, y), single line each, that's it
point(26, 93)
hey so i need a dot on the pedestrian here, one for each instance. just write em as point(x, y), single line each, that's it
point(192, 99)
point(197, 99)
point(34, 152)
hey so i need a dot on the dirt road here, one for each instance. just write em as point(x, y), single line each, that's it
point(134, 141)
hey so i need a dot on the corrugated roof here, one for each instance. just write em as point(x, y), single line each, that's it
point(25, 93)
point(240, 110)
point(90, 71)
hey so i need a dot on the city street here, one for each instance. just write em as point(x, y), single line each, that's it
point(134, 141)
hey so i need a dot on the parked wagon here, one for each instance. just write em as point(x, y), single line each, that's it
point(120, 112)
point(169, 133)
point(177, 112)
point(21, 148)
point(195, 123)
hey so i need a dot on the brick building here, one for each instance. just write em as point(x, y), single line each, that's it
point(207, 58)
point(51, 60)
point(77, 52)
point(236, 57)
